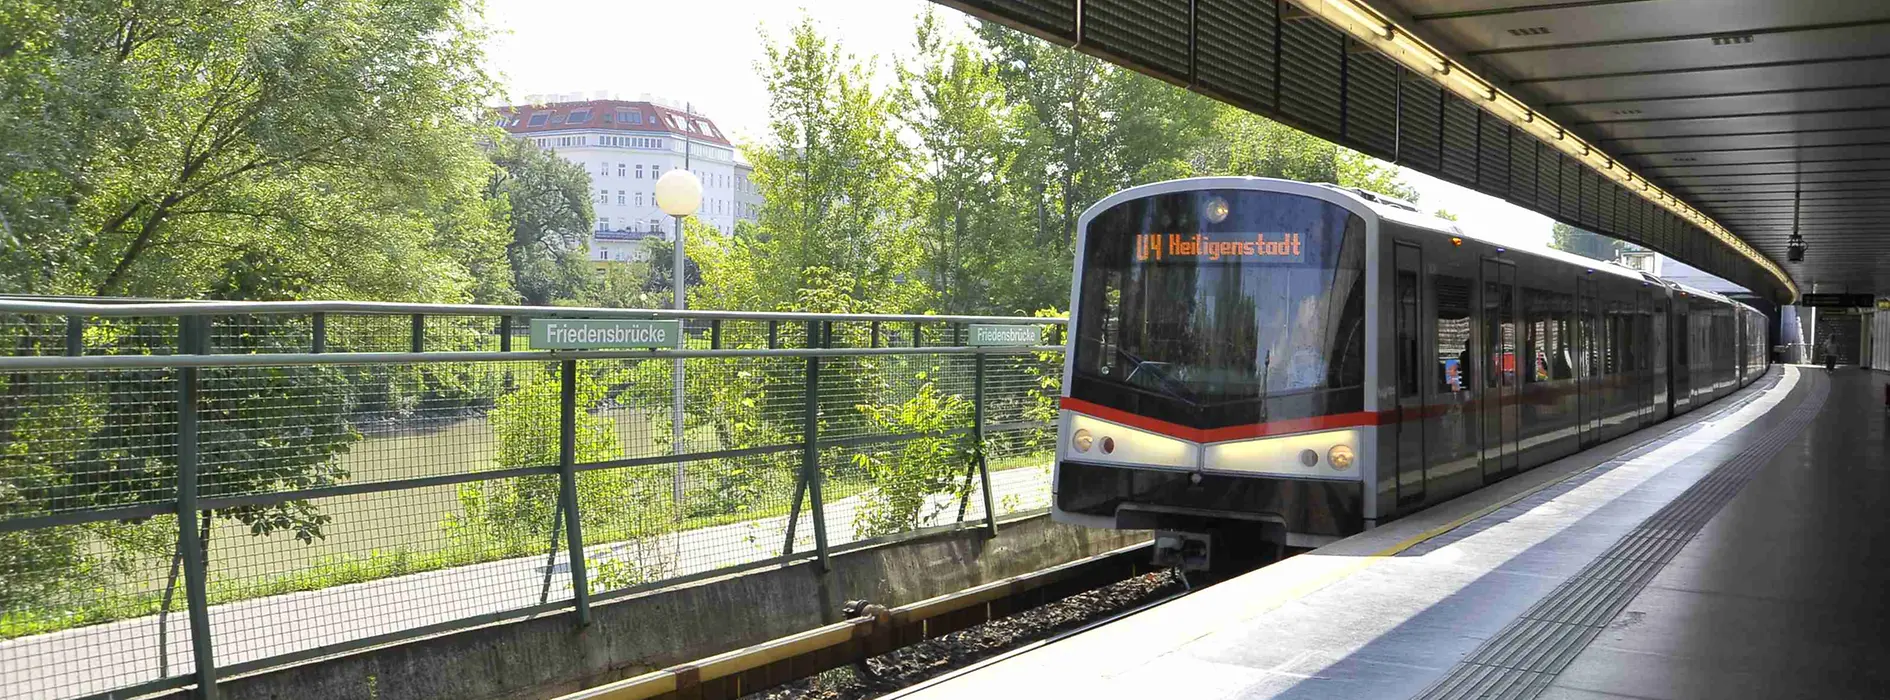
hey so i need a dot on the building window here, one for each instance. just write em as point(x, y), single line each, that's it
point(620, 168)
point(629, 116)
point(538, 119)
point(578, 117)
point(639, 171)
point(620, 197)
point(603, 169)
point(639, 198)
point(603, 196)
point(603, 224)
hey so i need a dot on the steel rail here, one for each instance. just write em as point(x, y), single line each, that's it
point(735, 673)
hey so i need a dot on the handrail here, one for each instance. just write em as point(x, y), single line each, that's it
point(107, 362)
point(217, 308)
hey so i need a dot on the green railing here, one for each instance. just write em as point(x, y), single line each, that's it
point(197, 489)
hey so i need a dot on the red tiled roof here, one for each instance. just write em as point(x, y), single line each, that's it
point(603, 115)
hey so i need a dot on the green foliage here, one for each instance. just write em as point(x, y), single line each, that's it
point(1584, 243)
point(294, 150)
point(517, 515)
point(917, 480)
point(547, 204)
point(831, 170)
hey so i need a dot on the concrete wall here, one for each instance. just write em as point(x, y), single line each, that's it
point(551, 655)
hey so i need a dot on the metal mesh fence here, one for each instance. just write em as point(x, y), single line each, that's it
point(84, 609)
point(350, 503)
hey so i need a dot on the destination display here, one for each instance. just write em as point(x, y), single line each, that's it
point(604, 334)
point(1237, 247)
point(1848, 301)
point(1005, 334)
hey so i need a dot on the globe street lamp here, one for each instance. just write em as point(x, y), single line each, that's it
point(678, 194)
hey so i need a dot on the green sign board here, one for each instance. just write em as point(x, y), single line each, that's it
point(604, 334)
point(1005, 334)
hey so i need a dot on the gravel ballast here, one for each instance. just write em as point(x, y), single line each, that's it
point(909, 665)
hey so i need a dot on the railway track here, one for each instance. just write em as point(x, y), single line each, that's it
point(886, 649)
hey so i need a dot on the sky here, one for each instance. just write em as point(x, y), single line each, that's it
point(704, 52)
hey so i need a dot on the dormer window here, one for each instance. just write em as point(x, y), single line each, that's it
point(578, 117)
point(538, 119)
point(629, 116)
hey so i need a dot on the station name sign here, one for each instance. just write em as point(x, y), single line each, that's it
point(604, 334)
point(1848, 301)
point(1004, 334)
point(1259, 247)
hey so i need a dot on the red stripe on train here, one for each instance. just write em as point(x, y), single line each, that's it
point(1234, 432)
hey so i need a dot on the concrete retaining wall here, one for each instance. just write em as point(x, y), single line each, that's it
point(550, 655)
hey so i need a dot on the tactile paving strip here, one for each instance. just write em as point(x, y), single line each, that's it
point(1521, 660)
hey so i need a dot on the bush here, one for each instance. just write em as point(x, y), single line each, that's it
point(916, 481)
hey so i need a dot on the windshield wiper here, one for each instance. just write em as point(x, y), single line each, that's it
point(1165, 384)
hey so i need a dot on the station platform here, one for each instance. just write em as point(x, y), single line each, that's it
point(1740, 551)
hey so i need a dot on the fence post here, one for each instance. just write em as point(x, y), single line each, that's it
point(977, 434)
point(318, 335)
point(190, 543)
point(418, 336)
point(75, 335)
point(810, 448)
point(567, 489)
point(505, 333)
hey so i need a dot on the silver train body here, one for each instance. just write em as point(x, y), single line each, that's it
point(1281, 362)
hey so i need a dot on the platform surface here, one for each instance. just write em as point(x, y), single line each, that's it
point(1741, 551)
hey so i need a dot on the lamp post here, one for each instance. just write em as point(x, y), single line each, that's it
point(678, 194)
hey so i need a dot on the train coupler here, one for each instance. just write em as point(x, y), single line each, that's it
point(1188, 551)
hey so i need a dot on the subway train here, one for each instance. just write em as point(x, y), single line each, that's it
point(1255, 364)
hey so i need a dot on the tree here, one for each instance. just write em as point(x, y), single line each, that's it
point(831, 169)
point(336, 141)
point(548, 208)
point(951, 102)
point(1584, 243)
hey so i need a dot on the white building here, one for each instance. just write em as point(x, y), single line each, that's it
point(626, 146)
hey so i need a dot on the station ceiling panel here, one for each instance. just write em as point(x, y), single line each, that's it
point(1706, 129)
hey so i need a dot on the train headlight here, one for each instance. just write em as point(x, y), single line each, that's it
point(1340, 456)
point(1216, 210)
point(1081, 439)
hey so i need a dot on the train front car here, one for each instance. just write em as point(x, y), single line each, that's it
point(1215, 382)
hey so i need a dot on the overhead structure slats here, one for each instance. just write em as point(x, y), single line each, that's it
point(1459, 125)
point(1280, 62)
point(1309, 92)
point(1591, 198)
point(1234, 51)
point(1149, 34)
point(1418, 107)
point(1492, 155)
point(1054, 19)
point(1548, 180)
point(1371, 104)
point(1522, 169)
point(1571, 203)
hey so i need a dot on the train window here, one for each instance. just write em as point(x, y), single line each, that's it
point(1406, 321)
point(1453, 333)
point(1548, 315)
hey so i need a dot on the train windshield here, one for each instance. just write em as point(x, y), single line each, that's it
point(1218, 308)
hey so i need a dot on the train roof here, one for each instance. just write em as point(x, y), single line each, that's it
point(1402, 212)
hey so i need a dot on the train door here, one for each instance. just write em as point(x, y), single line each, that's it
point(1640, 348)
point(1587, 339)
point(1682, 364)
point(1408, 326)
point(1500, 415)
